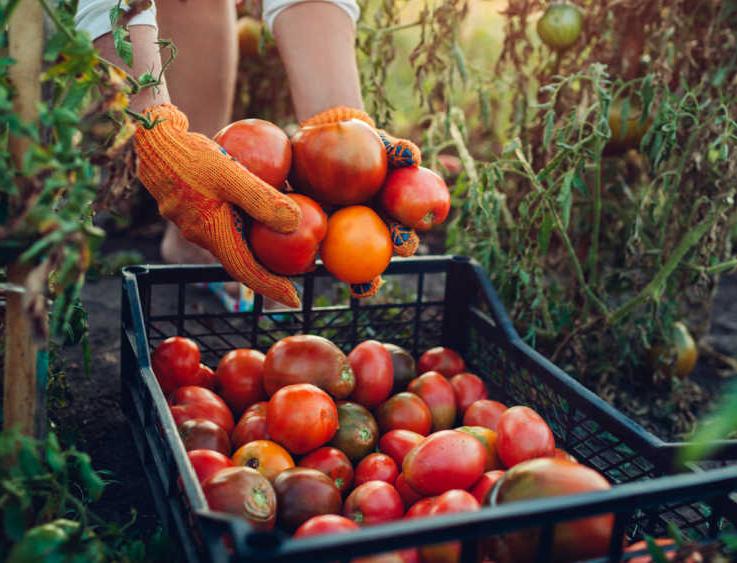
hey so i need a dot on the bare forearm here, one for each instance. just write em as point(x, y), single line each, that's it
point(316, 41)
point(146, 58)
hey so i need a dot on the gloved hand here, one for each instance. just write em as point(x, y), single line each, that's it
point(207, 194)
point(401, 153)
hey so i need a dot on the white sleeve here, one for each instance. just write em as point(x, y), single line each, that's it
point(272, 8)
point(93, 16)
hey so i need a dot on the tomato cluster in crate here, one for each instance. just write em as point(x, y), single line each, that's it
point(312, 441)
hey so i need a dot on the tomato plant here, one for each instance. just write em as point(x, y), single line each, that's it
point(291, 254)
point(301, 417)
point(260, 146)
point(358, 246)
point(416, 197)
point(341, 163)
point(372, 365)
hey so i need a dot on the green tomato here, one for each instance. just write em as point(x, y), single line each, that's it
point(560, 26)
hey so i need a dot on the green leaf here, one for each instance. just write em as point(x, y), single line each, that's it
point(543, 236)
point(460, 61)
point(13, 522)
point(717, 427)
point(549, 124)
point(565, 198)
point(655, 551)
point(54, 457)
point(123, 46)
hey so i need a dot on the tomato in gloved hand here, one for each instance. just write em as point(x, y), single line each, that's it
point(358, 246)
point(341, 163)
point(176, 363)
point(260, 146)
point(416, 197)
point(291, 254)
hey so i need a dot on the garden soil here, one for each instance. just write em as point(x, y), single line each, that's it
point(89, 414)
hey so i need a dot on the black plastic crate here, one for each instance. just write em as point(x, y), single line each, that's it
point(439, 300)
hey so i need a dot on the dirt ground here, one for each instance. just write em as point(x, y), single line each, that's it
point(92, 418)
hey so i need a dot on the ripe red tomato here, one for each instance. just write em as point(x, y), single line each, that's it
point(301, 417)
point(326, 524)
point(448, 503)
point(488, 439)
point(468, 388)
point(522, 434)
point(485, 484)
point(446, 361)
point(562, 454)
point(398, 443)
point(240, 376)
point(206, 377)
point(404, 367)
point(422, 508)
point(306, 358)
point(642, 546)
point(265, 456)
point(376, 467)
point(333, 463)
point(404, 411)
point(176, 363)
point(573, 540)
point(251, 426)
point(244, 492)
point(374, 371)
point(303, 493)
point(443, 461)
point(408, 494)
point(358, 246)
point(191, 402)
point(373, 503)
point(291, 254)
point(484, 413)
point(357, 431)
point(433, 388)
point(416, 197)
point(342, 163)
point(260, 146)
point(201, 434)
point(207, 462)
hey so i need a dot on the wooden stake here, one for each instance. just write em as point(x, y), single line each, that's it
point(24, 382)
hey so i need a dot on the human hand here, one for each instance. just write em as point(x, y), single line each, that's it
point(208, 194)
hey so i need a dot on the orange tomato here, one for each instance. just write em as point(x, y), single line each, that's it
point(357, 247)
point(265, 456)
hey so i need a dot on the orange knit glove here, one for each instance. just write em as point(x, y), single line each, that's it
point(401, 153)
point(207, 194)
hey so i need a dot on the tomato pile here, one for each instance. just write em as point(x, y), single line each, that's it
point(313, 441)
point(338, 175)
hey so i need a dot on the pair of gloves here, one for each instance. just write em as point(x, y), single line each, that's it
point(205, 192)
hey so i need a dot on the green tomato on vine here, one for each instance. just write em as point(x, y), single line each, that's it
point(560, 26)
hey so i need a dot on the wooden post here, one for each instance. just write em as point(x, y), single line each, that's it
point(24, 376)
